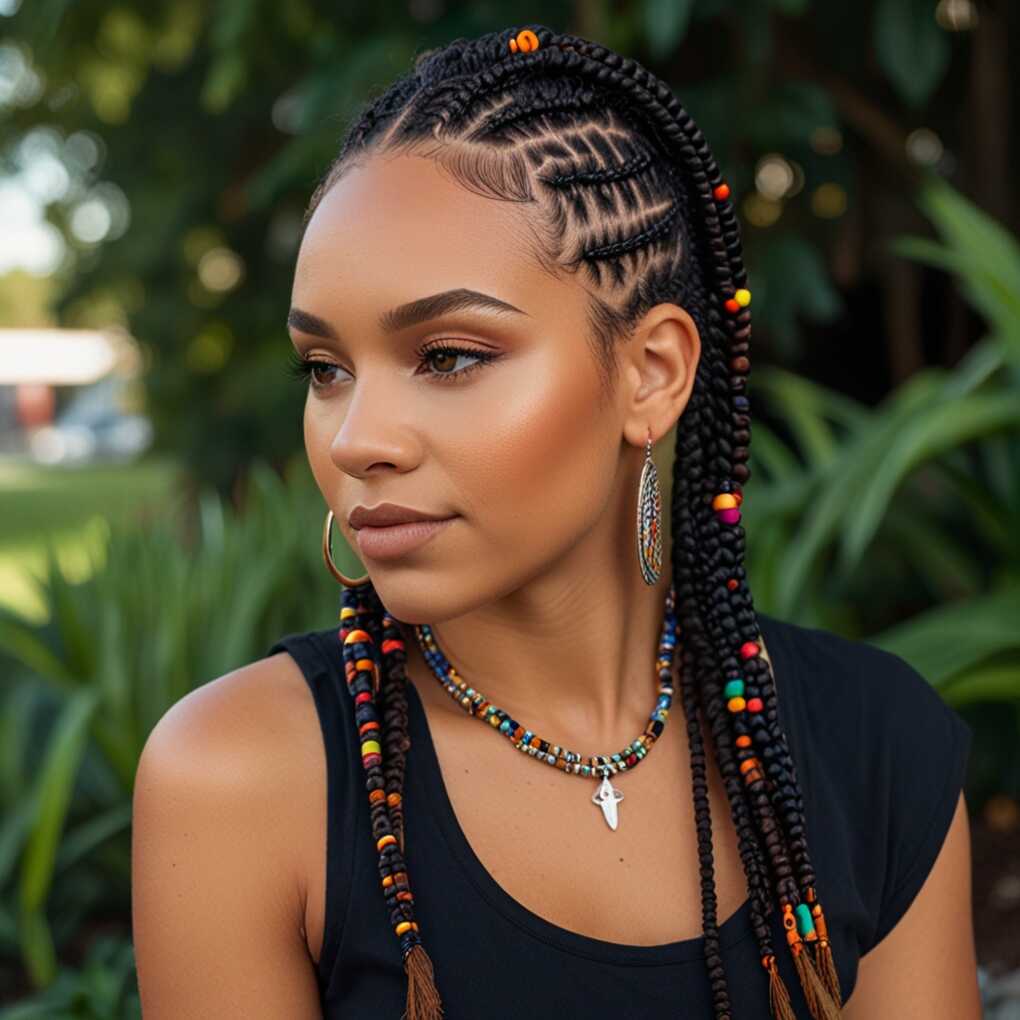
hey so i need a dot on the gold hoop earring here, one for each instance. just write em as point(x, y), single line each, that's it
point(649, 519)
point(327, 555)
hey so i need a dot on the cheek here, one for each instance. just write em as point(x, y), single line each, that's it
point(319, 430)
point(541, 460)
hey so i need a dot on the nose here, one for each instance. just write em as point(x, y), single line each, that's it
point(371, 435)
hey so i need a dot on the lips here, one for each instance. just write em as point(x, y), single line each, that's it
point(396, 540)
point(387, 514)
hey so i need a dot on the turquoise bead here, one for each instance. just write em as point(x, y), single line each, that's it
point(734, 689)
point(805, 923)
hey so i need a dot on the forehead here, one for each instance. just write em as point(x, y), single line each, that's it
point(401, 224)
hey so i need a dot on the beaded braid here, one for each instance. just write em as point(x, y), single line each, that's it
point(532, 116)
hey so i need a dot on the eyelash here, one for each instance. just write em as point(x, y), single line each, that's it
point(304, 368)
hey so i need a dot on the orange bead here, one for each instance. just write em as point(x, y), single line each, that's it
point(724, 501)
point(735, 704)
point(526, 41)
point(743, 741)
point(722, 192)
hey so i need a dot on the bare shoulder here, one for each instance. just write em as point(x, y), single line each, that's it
point(926, 967)
point(222, 802)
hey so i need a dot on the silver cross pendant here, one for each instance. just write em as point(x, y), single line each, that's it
point(606, 796)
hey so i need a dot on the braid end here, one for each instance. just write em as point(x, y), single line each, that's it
point(819, 1001)
point(423, 1001)
point(827, 970)
point(779, 997)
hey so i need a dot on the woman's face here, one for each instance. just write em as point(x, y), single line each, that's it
point(511, 435)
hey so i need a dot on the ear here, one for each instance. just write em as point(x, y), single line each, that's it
point(659, 366)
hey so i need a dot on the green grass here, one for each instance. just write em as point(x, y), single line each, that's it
point(72, 509)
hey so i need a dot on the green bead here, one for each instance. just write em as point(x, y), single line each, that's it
point(734, 689)
point(805, 924)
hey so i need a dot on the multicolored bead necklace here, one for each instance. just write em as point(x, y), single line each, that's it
point(606, 796)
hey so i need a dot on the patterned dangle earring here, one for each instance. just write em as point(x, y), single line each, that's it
point(649, 519)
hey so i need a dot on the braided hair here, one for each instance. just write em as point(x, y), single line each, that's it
point(623, 189)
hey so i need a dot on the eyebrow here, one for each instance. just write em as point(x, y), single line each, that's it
point(410, 314)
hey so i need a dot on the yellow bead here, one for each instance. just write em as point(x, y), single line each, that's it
point(371, 747)
point(724, 501)
point(736, 704)
point(743, 297)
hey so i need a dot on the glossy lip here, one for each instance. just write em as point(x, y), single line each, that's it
point(386, 514)
point(392, 542)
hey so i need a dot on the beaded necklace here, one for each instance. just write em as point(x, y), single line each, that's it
point(606, 796)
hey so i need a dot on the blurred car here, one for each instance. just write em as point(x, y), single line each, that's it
point(92, 427)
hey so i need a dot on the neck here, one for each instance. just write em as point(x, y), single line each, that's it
point(572, 660)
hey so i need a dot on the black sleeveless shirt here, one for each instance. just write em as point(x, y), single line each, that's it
point(880, 759)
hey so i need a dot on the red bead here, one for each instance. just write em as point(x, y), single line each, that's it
point(362, 697)
point(732, 305)
point(732, 584)
point(722, 192)
point(748, 650)
point(755, 705)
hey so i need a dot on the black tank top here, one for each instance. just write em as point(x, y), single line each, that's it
point(880, 759)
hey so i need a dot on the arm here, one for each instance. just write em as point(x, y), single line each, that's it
point(925, 968)
point(217, 896)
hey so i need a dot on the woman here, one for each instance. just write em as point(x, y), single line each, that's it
point(521, 272)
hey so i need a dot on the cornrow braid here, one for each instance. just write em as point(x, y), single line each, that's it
point(624, 191)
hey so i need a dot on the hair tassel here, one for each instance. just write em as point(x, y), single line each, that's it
point(423, 1001)
point(816, 994)
point(826, 968)
point(824, 962)
point(779, 997)
point(819, 1000)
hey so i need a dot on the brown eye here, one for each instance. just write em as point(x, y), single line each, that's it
point(308, 369)
point(444, 355)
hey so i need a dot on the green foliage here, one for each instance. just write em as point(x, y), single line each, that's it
point(919, 497)
point(104, 988)
point(911, 48)
point(665, 23)
point(176, 603)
